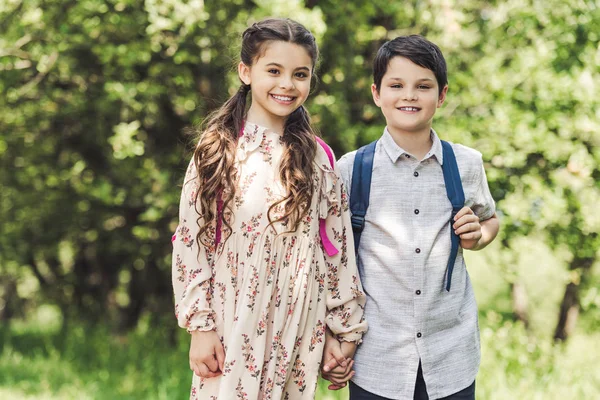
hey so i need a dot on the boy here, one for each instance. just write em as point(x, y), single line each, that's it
point(423, 339)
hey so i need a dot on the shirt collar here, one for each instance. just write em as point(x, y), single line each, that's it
point(394, 151)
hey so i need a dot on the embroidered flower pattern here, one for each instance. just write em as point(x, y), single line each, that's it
point(251, 225)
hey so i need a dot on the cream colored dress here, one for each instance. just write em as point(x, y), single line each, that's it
point(269, 295)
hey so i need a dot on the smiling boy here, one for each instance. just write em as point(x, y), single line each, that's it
point(423, 339)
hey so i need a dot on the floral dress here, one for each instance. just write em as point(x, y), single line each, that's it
point(269, 295)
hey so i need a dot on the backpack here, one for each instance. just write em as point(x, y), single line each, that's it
point(361, 188)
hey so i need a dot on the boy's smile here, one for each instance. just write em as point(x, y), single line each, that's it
point(408, 97)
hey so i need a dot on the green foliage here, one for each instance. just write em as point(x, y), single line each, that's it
point(97, 93)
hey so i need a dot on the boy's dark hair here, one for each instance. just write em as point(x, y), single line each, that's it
point(415, 48)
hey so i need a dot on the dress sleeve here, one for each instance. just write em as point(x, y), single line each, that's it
point(345, 297)
point(191, 268)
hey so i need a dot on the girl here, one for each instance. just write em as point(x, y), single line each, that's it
point(253, 281)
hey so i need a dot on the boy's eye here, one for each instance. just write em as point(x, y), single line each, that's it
point(423, 87)
point(396, 86)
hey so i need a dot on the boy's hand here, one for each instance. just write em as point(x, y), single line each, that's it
point(466, 226)
point(337, 362)
point(207, 355)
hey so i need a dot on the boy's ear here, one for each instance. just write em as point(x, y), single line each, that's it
point(244, 73)
point(442, 97)
point(376, 97)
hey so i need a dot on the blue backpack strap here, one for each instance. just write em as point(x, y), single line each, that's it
point(456, 195)
point(361, 189)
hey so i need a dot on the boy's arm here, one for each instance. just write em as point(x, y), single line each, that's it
point(477, 223)
point(489, 230)
point(475, 234)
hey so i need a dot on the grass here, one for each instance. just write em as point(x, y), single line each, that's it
point(96, 365)
point(40, 363)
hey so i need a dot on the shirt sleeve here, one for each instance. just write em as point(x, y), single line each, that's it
point(482, 203)
point(345, 297)
point(191, 268)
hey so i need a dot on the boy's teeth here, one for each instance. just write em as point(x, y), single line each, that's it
point(408, 108)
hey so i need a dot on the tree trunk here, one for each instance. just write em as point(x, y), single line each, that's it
point(569, 307)
point(519, 303)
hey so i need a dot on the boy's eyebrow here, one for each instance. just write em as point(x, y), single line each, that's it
point(282, 67)
point(418, 80)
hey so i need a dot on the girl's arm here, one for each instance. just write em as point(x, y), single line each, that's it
point(345, 297)
point(191, 270)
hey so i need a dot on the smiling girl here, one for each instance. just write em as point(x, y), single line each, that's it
point(262, 258)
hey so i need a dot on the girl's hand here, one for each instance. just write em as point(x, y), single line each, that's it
point(207, 355)
point(466, 226)
point(337, 362)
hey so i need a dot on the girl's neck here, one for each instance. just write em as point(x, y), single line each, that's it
point(273, 123)
point(416, 143)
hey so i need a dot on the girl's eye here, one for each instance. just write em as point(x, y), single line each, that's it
point(301, 75)
point(273, 71)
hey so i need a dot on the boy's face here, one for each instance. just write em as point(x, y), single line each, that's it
point(408, 97)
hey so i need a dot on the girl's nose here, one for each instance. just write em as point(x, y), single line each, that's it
point(286, 83)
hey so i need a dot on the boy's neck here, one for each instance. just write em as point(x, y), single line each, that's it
point(273, 124)
point(416, 143)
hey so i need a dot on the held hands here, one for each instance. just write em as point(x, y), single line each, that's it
point(466, 226)
point(207, 355)
point(337, 361)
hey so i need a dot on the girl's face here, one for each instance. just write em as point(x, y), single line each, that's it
point(279, 80)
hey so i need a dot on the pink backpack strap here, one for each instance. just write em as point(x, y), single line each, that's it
point(327, 245)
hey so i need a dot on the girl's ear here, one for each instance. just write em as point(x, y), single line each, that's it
point(442, 97)
point(244, 73)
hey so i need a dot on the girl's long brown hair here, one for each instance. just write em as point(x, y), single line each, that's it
point(214, 156)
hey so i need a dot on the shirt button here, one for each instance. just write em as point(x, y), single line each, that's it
point(418, 250)
point(418, 292)
point(419, 334)
point(416, 174)
point(417, 211)
point(407, 156)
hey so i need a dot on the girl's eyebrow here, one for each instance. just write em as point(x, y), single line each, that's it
point(282, 67)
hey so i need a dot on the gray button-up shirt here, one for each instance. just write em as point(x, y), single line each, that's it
point(403, 254)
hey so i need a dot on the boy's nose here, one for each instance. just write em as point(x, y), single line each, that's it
point(410, 95)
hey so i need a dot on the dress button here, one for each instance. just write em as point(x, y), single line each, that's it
point(417, 211)
point(419, 334)
point(416, 174)
point(418, 250)
point(418, 292)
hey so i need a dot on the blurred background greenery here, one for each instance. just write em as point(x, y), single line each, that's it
point(96, 96)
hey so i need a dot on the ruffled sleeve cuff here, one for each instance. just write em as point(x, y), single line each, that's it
point(346, 333)
point(202, 324)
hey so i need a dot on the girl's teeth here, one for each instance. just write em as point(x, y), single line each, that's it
point(283, 98)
